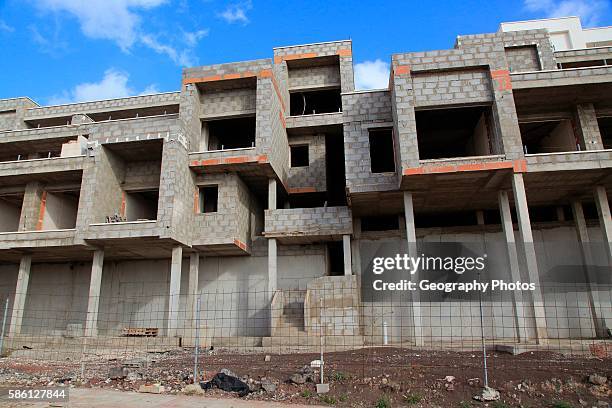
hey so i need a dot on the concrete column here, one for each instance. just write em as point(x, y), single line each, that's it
point(480, 217)
point(272, 194)
point(23, 278)
point(192, 297)
point(513, 263)
point(93, 302)
point(560, 214)
point(355, 250)
point(605, 222)
point(272, 267)
point(175, 290)
point(412, 251)
point(587, 254)
point(524, 223)
point(272, 247)
point(587, 128)
point(346, 248)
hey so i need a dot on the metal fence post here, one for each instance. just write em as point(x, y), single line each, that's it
point(197, 341)
point(6, 305)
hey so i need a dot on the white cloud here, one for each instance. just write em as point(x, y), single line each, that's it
point(5, 27)
point(115, 20)
point(183, 58)
point(114, 84)
point(193, 38)
point(589, 11)
point(371, 74)
point(236, 13)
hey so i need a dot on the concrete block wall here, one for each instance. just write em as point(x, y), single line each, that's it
point(308, 221)
point(343, 49)
point(451, 87)
point(333, 302)
point(232, 219)
point(587, 54)
point(13, 111)
point(134, 129)
point(523, 59)
point(108, 105)
point(230, 102)
point(314, 175)
point(176, 191)
point(189, 117)
point(314, 77)
point(361, 111)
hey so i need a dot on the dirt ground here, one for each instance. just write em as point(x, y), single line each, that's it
point(370, 377)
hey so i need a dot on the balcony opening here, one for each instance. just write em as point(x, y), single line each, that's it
point(60, 210)
point(549, 213)
point(44, 148)
point(581, 64)
point(141, 205)
point(209, 199)
point(380, 223)
point(605, 128)
point(299, 156)
point(10, 212)
point(306, 200)
point(335, 258)
point(235, 133)
point(548, 136)
point(315, 102)
point(382, 157)
point(446, 219)
point(456, 132)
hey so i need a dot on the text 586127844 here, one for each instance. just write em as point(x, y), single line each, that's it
point(34, 394)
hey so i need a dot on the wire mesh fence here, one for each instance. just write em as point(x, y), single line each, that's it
point(434, 346)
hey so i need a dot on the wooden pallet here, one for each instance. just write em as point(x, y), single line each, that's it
point(140, 331)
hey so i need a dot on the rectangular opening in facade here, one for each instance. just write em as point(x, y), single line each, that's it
point(605, 129)
point(299, 156)
point(306, 200)
point(382, 156)
point(44, 149)
point(581, 64)
point(234, 133)
point(335, 173)
point(60, 210)
point(380, 223)
point(456, 132)
point(141, 205)
point(548, 136)
point(10, 212)
point(446, 219)
point(209, 199)
point(335, 258)
point(315, 102)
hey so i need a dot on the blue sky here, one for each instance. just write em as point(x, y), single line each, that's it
point(60, 51)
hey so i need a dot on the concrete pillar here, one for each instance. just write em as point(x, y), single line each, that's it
point(513, 263)
point(560, 214)
point(346, 248)
point(524, 223)
point(175, 290)
point(93, 301)
point(587, 128)
point(192, 298)
point(272, 247)
point(272, 267)
point(587, 254)
point(272, 194)
point(605, 222)
point(480, 217)
point(21, 291)
point(412, 251)
point(355, 250)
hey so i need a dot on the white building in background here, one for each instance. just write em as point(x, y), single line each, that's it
point(566, 33)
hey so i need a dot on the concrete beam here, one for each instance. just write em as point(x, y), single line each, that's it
point(605, 222)
point(93, 301)
point(21, 291)
point(346, 248)
point(513, 263)
point(591, 274)
point(175, 290)
point(524, 222)
point(412, 251)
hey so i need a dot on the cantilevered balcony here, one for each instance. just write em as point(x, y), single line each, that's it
point(303, 225)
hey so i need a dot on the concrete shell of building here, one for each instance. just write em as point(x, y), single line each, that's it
point(268, 183)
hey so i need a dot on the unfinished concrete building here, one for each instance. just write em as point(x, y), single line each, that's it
point(265, 186)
